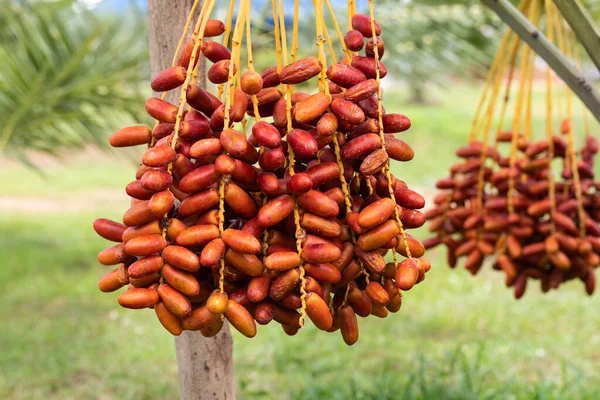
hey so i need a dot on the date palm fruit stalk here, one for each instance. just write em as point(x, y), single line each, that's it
point(285, 217)
point(507, 202)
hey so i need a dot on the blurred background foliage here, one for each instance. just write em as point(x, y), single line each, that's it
point(71, 75)
point(68, 76)
point(75, 70)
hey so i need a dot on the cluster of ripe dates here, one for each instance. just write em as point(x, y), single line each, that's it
point(293, 220)
point(545, 237)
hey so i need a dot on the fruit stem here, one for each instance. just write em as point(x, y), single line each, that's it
point(386, 168)
point(338, 32)
point(546, 50)
point(231, 79)
point(186, 27)
point(583, 26)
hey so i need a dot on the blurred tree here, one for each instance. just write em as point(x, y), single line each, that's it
point(427, 42)
point(67, 77)
point(70, 76)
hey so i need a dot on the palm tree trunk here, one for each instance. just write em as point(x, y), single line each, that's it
point(205, 364)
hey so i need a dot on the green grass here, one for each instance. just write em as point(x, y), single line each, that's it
point(456, 337)
point(89, 172)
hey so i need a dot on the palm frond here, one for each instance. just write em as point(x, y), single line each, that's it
point(67, 78)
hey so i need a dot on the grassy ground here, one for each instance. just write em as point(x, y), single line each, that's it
point(457, 337)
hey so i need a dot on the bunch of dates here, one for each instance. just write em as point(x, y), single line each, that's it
point(538, 240)
point(316, 233)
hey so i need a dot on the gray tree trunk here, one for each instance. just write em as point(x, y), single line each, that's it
point(205, 364)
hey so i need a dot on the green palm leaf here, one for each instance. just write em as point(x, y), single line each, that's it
point(67, 78)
